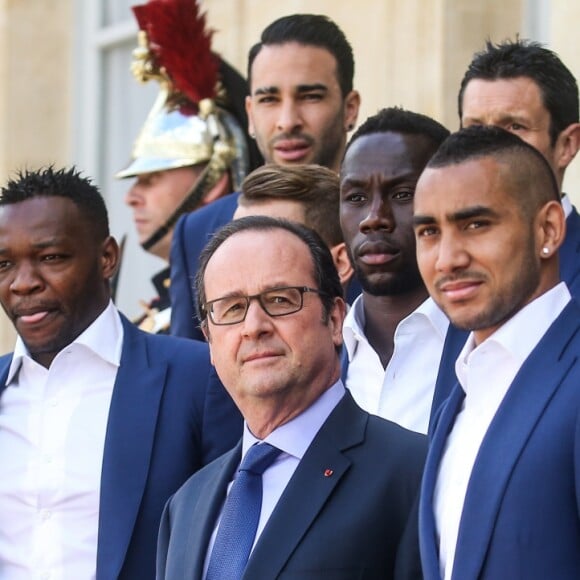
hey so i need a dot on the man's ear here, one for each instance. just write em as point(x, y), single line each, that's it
point(342, 263)
point(335, 320)
point(351, 108)
point(550, 228)
point(110, 257)
point(567, 146)
point(251, 131)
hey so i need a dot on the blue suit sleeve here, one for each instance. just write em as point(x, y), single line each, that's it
point(180, 289)
point(190, 236)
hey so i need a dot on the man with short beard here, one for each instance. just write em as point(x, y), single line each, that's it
point(300, 109)
point(500, 495)
point(394, 333)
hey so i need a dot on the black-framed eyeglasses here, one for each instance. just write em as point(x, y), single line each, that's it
point(275, 302)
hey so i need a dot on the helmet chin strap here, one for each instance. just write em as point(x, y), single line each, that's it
point(216, 167)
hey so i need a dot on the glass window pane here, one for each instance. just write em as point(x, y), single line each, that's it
point(116, 11)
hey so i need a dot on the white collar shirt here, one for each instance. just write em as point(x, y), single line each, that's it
point(294, 439)
point(52, 432)
point(485, 373)
point(403, 391)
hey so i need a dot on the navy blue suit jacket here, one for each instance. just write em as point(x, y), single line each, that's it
point(169, 416)
point(344, 525)
point(521, 517)
point(191, 234)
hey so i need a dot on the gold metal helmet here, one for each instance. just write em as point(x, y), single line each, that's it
point(190, 123)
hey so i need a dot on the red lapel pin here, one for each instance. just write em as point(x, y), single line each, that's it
point(328, 472)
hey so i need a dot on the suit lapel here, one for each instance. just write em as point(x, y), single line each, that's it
point(207, 510)
point(296, 510)
point(428, 542)
point(128, 445)
point(525, 402)
point(446, 378)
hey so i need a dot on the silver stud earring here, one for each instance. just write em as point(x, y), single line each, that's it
point(545, 251)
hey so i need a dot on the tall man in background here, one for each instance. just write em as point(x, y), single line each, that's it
point(300, 108)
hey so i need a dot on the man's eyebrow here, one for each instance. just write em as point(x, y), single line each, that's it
point(305, 88)
point(311, 87)
point(267, 91)
point(423, 220)
point(457, 216)
point(501, 119)
point(471, 212)
point(48, 242)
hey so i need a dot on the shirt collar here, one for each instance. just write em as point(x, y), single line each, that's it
point(104, 337)
point(354, 322)
point(522, 332)
point(296, 436)
point(566, 205)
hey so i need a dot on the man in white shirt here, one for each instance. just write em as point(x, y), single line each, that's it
point(335, 501)
point(99, 422)
point(501, 492)
point(394, 333)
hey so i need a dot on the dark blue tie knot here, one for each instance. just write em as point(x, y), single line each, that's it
point(259, 457)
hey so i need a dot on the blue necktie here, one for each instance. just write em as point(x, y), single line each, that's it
point(240, 516)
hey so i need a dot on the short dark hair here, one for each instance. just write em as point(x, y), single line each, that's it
point(314, 187)
point(67, 183)
point(324, 270)
point(527, 166)
point(310, 30)
point(524, 58)
point(398, 120)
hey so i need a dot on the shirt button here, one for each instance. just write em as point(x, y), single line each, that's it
point(44, 516)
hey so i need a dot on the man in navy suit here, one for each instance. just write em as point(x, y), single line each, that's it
point(500, 497)
point(300, 108)
point(99, 422)
point(336, 500)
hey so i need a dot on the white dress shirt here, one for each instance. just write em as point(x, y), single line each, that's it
point(293, 438)
point(485, 373)
point(403, 392)
point(52, 433)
